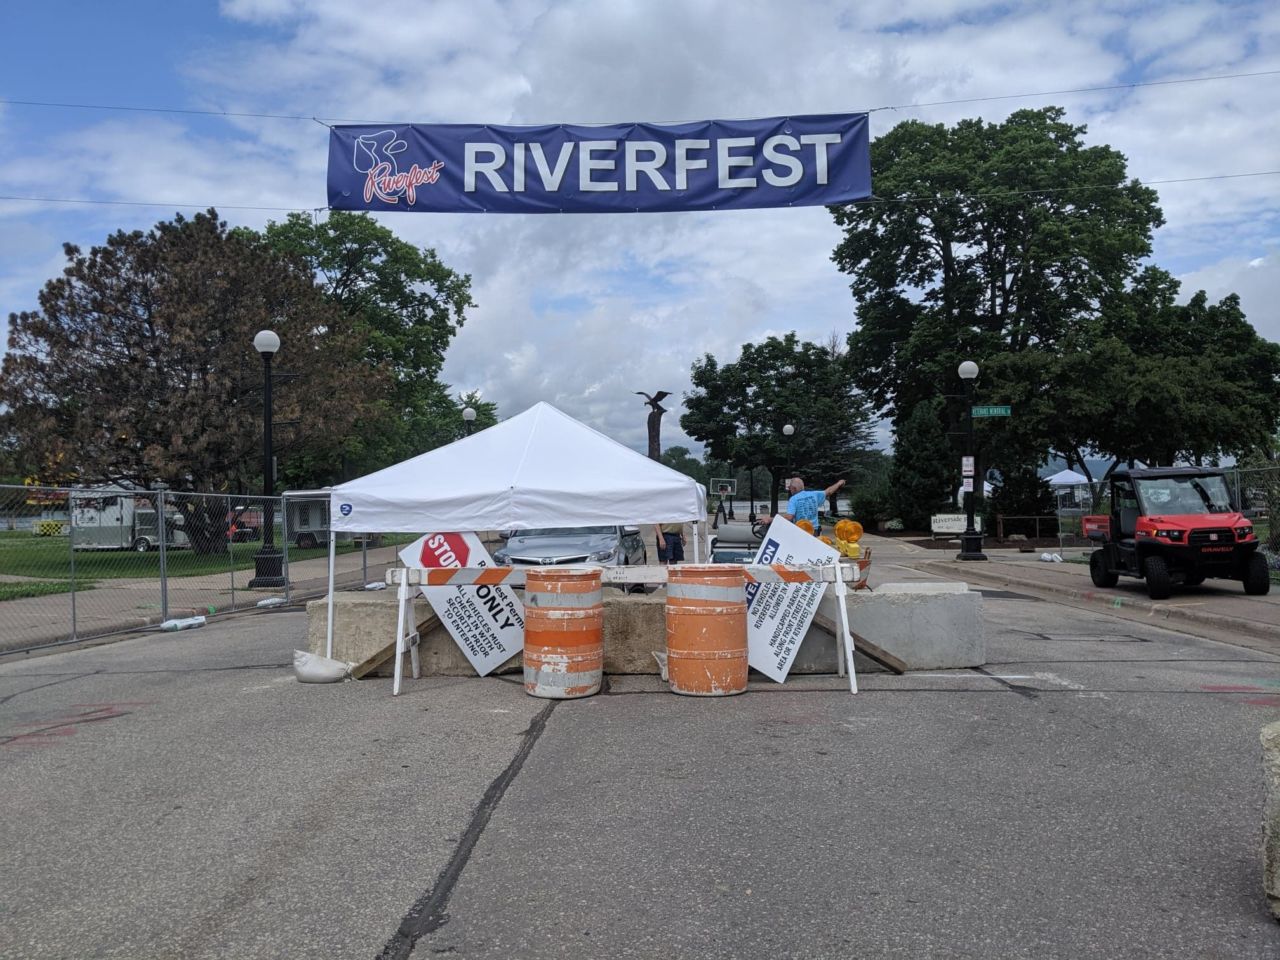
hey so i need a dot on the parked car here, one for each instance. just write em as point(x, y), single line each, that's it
point(244, 523)
point(548, 546)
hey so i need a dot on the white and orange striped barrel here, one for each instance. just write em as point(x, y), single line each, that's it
point(563, 633)
point(707, 629)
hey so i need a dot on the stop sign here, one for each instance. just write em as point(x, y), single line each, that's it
point(445, 550)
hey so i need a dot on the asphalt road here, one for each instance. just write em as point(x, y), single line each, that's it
point(1096, 791)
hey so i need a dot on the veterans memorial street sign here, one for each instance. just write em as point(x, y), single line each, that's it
point(993, 411)
point(606, 168)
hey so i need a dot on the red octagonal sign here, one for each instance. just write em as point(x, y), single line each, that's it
point(445, 550)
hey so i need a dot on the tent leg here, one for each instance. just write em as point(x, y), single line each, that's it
point(842, 594)
point(328, 630)
point(402, 594)
point(697, 542)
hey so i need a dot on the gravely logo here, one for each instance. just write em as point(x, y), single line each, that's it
point(375, 156)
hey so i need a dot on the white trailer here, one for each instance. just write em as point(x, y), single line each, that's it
point(114, 518)
point(306, 519)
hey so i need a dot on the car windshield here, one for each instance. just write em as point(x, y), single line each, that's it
point(1185, 495)
point(566, 532)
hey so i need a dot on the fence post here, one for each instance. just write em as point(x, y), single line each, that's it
point(71, 540)
point(284, 546)
point(228, 519)
point(162, 521)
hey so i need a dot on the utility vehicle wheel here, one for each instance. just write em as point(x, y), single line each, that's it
point(1159, 586)
point(1102, 577)
point(140, 545)
point(1257, 579)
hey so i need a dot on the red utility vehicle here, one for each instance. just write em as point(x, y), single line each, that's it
point(1175, 525)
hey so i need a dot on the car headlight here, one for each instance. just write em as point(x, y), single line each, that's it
point(1244, 533)
point(601, 555)
point(1174, 535)
point(501, 557)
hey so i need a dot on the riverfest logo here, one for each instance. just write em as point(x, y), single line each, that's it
point(375, 157)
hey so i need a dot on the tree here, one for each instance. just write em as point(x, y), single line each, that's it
point(139, 366)
point(679, 458)
point(740, 408)
point(407, 304)
point(1017, 246)
point(924, 475)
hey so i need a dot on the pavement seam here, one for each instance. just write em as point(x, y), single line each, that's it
point(428, 912)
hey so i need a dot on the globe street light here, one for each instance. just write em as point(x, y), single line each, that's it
point(787, 431)
point(971, 539)
point(468, 418)
point(268, 563)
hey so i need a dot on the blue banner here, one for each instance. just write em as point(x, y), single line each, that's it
point(615, 168)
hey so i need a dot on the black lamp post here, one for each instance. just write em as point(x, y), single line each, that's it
point(468, 418)
point(971, 539)
point(268, 563)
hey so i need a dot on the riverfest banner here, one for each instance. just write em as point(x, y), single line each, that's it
point(610, 168)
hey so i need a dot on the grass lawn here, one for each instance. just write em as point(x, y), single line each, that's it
point(40, 588)
point(22, 554)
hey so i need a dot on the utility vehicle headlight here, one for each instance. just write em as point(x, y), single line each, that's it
point(1174, 535)
point(1244, 533)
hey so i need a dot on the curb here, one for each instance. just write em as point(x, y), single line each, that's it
point(1111, 601)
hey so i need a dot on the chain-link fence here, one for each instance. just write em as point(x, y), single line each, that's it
point(77, 563)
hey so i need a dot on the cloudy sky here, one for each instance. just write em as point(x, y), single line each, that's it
point(584, 310)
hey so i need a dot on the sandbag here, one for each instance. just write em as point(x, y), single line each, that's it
point(313, 668)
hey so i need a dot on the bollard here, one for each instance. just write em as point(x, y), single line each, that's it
point(563, 633)
point(706, 629)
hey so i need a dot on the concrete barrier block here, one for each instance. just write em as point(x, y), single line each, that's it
point(364, 622)
point(1271, 817)
point(635, 625)
point(928, 629)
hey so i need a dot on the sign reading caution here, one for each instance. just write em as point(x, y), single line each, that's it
point(607, 168)
point(485, 621)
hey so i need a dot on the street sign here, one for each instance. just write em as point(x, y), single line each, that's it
point(966, 485)
point(999, 411)
point(966, 466)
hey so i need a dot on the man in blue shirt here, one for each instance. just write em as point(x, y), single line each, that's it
point(804, 504)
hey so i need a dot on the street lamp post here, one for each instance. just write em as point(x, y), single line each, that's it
point(268, 563)
point(787, 431)
point(971, 539)
point(468, 418)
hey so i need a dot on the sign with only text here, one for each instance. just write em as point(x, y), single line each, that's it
point(778, 614)
point(953, 522)
point(486, 621)
point(607, 168)
point(993, 411)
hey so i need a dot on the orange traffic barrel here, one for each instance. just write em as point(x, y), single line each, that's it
point(563, 633)
point(707, 629)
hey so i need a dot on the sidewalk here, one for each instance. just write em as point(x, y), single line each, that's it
point(1221, 605)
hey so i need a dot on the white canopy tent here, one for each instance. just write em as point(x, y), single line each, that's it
point(541, 468)
point(1066, 478)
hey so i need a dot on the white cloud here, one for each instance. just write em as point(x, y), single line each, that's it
point(1256, 280)
point(583, 311)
